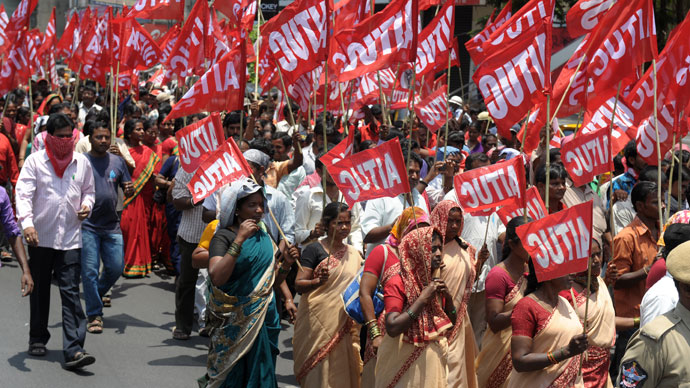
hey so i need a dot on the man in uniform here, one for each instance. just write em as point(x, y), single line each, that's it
point(657, 354)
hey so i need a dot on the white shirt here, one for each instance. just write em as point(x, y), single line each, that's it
point(50, 204)
point(83, 111)
point(384, 211)
point(473, 231)
point(661, 298)
point(308, 203)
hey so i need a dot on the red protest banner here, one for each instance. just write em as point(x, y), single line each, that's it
point(536, 210)
point(379, 41)
point(600, 118)
point(436, 40)
point(474, 45)
point(516, 76)
point(139, 51)
point(340, 151)
point(587, 155)
point(433, 110)
point(158, 9)
point(559, 244)
point(492, 186)
point(197, 141)
point(373, 173)
point(584, 16)
point(225, 165)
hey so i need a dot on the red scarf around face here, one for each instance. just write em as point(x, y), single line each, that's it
point(60, 151)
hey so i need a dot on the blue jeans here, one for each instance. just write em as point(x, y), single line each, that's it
point(110, 248)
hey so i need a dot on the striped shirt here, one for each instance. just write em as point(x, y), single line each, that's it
point(191, 225)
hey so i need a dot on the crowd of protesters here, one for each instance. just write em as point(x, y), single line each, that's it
point(448, 298)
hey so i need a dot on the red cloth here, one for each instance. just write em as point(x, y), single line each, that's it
point(8, 163)
point(60, 152)
point(498, 284)
point(528, 317)
point(168, 145)
point(657, 272)
point(394, 295)
point(19, 131)
point(374, 261)
point(369, 134)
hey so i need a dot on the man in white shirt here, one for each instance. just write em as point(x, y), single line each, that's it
point(308, 203)
point(381, 213)
point(55, 193)
point(662, 297)
point(88, 102)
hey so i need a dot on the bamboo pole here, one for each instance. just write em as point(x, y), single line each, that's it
point(658, 146)
point(31, 113)
point(115, 98)
point(445, 137)
point(75, 92)
point(258, 46)
point(547, 141)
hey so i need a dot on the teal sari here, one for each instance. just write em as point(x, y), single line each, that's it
point(244, 320)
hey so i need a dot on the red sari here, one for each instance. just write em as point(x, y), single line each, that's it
point(158, 226)
point(137, 212)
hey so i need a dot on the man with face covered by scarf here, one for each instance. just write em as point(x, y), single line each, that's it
point(55, 193)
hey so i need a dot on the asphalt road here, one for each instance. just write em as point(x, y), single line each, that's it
point(135, 349)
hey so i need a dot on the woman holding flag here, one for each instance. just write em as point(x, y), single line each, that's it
point(326, 340)
point(137, 208)
point(601, 320)
point(458, 272)
point(547, 336)
point(505, 286)
point(420, 308)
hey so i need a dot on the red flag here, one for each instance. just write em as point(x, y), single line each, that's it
point(158, 9)
point(190, 48)
point(474, 45)
point(379, 41)
point(433, 110)
point(559, 244)
point(588, 155)
point(373, 173)
point(221, 88)
point(157, 77)
point(97, 54)
point(601, 119)
point(241, 13)
point(348, 13)
point(528, 16)
point(516, 77)
point(20, 16)
point(340, 151)
point(4, 21)
point(197, 141)
point(496, 185)
point(33, 44)
point(536, 209)
point(436, 41)
point(584, 16)
point(225, 165)
point(297, 42)
point(139, 50)
point(64, 45)
point(15, 68)
point(167, 43)
point(49, 39)
point(440, 81)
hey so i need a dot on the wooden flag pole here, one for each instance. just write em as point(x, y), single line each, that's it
point(287, 98)
point(547, 141)
point(658, 147)
point(680, 161)
point(115, 98)
point(258, 46)
point(76, 88)
point(522, 149)
point(588, 292)
point(445, 137)
point(31, 113)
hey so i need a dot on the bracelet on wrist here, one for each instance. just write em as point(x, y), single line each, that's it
point(636, 322)
point(412, 314)
point(234, 250)
point(369, 322)
point(422, 182)
point(374, 332)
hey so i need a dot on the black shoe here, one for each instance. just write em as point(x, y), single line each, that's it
point(80, 360)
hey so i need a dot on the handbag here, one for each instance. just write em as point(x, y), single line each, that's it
point(350, 296)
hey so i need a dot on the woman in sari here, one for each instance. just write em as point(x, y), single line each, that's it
point(458, 273)
point(160, 243)
point(241, 314)
point(137, 208)
point(326, 340)
point(601, 321)
point(505, 286)
point(383, 262)
point(420, 308)
point(547, 337)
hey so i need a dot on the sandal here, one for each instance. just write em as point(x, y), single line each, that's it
point(179, 335)
point(95, 326)
point(6, 257)
point(106, 301)
point(37, 349)
point(80, 360)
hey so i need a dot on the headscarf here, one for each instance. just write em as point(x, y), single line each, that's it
point(257, 157)
point(415, 271)
point(228, 202)
point(679, 217)
point(410, 218)
point(439, 216)
point(46, 101)
point(60, 152)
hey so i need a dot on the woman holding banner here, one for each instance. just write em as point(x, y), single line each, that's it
point(458, 272)
point(547, 336)
point(420, 308)
point(241, 312)
point(601, 320)
point(137, 208)
point(326, 340)
point(505, 286)
point(383, 262)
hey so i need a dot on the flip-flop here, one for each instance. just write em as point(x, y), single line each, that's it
point(80, 360)
point(37, 349)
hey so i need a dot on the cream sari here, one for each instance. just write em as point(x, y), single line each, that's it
point(601, 333)
point(458, 275)
point(563, 324)
point(326, 340)
point(494, 363)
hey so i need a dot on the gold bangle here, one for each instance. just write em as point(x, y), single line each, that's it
point(367, 323)
point(636, 322)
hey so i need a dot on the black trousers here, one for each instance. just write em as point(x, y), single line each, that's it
point(185, 288)
point(65, 267)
